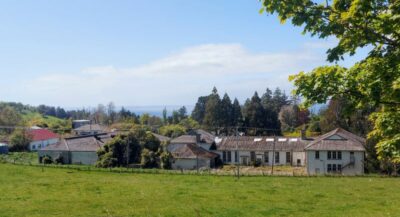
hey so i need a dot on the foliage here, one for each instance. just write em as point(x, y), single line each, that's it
point(120, 151)
point(189, 123)
point(47, 160)
point(149, 159)
point(20, 140)
point(256, 163)
point(127, 148)
point(291, 117)
point(213, 113)
point(373, 81)
point(9, 116)
point(166, 160)
point(172, 130)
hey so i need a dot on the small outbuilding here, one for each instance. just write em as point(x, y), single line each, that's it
point(90, 129)
point(191, 156)
point(3, 148)
point(76, 150)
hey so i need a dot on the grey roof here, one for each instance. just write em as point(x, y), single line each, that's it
point(161, 137)
point(91, 127)
point(254, 143)
point(80, 143)
point(205, 136)
point(192, 151)
point(184, 139)
point(347, 141)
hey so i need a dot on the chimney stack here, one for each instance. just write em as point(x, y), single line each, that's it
point(303, 134)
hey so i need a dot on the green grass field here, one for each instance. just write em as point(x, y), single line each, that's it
point(29, 191)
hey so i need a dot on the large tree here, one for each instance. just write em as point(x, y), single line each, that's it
point(226, 112)
point(212, 116)
point(254, 115)
point(373, 81)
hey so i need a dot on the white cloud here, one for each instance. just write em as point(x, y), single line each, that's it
point(176, 79)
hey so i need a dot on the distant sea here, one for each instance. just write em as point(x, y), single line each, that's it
point(157, 110)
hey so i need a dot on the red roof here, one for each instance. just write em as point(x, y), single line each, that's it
point(42, 134)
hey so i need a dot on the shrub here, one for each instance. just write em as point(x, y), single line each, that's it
point(47, 160)
point(256, 163)
point(166, 159)
point(148, 159)
point(20, 141)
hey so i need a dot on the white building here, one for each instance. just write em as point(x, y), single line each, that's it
point(338, 151)
point(42, 138)
point(247, 150)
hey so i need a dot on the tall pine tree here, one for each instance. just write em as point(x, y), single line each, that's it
point(236, 114)
point(212, 116)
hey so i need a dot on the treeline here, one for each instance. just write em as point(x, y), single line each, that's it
point(258, 115)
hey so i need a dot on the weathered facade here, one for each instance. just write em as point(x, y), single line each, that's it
point(76, 150)
point(191, 156)
point(248, 150)
point(192, 151)
point(338, 151)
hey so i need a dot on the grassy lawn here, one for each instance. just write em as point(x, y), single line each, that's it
point(29, 191)
point(20, 157)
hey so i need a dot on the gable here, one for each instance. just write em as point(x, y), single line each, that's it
point(335, 137)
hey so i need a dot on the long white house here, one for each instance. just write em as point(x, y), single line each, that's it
point(338, 151)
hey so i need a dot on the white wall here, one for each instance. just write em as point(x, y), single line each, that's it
point(83, 157)
point(315, 165)
point(189, 164)
point(260, 154)
point(34, 146)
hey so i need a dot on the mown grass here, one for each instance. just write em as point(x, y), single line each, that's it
point(33, 191)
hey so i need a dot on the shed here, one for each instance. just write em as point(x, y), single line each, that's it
point(3, 148)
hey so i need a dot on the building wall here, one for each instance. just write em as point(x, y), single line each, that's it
point(190, 164)
point(294, 156)
point(54, 155)
point(83, 157)
point(319, 166)
point(36, 145)
point(3, 148)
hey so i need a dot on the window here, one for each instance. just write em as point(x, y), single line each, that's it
point(266, 157)
point(339, 167)
point(334, 167)
point(288, 158)
point(33, 146)
point(224, 156)
point(329, 168)
point(334, 155)
point(236, 156)
point(229, 156)
point(252, 156)
point(316, 154)
point(276, 157)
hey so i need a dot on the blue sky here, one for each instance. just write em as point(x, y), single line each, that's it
point(138, 53)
